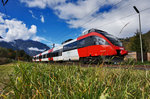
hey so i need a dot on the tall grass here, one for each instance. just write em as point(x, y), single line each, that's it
point(31, 81)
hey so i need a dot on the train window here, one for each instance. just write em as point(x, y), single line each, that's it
point(86, 42)
point(44, 56)
point(100, 41)
point(74, 45)
point(67, 47)
point(81, 43)
point(114, 40)
point(54, 54)
point(40, 57)
point(37, 57)
point(70, 46)
point(48, 55)
point(89, 41)
point(60, 52)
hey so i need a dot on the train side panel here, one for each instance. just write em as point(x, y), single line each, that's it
point(70, 55)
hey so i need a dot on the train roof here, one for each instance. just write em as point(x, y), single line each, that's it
point(92, 30)
point(67, 41)
point(84, 33)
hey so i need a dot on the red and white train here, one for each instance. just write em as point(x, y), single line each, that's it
point(93, 44)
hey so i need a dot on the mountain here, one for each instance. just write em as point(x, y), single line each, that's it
point(29, 46)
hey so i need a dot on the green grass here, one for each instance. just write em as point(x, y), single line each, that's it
point(31, 80)
point(5, 70)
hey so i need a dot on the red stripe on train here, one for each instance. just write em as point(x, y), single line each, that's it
point(96, 50)
point(50, 59)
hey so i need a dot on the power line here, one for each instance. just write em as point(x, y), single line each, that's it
point(145, 9)
point(122, 18)
point(117, 20)
point(97, 16)
point(115, 12)
point(93, 10)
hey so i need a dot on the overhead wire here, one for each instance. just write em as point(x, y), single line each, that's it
point(95, 17)
point(93, 10)
point(90, 12)
point(124, 17)
point(114, 12)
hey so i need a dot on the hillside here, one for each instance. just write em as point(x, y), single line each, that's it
point(28, 46)
point(145, 36)
point(8, 55)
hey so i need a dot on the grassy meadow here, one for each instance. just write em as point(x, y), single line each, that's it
point(5, 71)
point(32, 81)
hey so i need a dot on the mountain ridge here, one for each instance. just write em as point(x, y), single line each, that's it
point(25, 45)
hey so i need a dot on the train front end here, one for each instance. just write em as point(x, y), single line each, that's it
point(118, 52)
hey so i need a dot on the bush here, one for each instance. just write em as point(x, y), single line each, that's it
point(4, 61)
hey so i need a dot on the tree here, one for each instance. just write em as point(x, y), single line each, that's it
point(3, 52)
point(11, 54)
point(135, 44)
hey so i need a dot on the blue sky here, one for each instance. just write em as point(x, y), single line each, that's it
point(53, 21)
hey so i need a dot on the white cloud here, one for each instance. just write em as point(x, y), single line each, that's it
point(42, 19)
point(111, 21)
point(81, 9)
point(36, 49)
point(12, 29)
point(33, 29)
point(37, 38)
point(18, 30)
point(85, 14)
point(42, 3)
point(33, 16)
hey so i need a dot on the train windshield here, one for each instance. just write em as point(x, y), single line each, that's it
point(114, 40)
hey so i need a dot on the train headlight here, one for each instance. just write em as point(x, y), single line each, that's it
point(121, 48)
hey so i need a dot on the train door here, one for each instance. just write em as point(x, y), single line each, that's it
point(82, 48)
point(66, 52)
point(60, 58)
point(98, 47)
